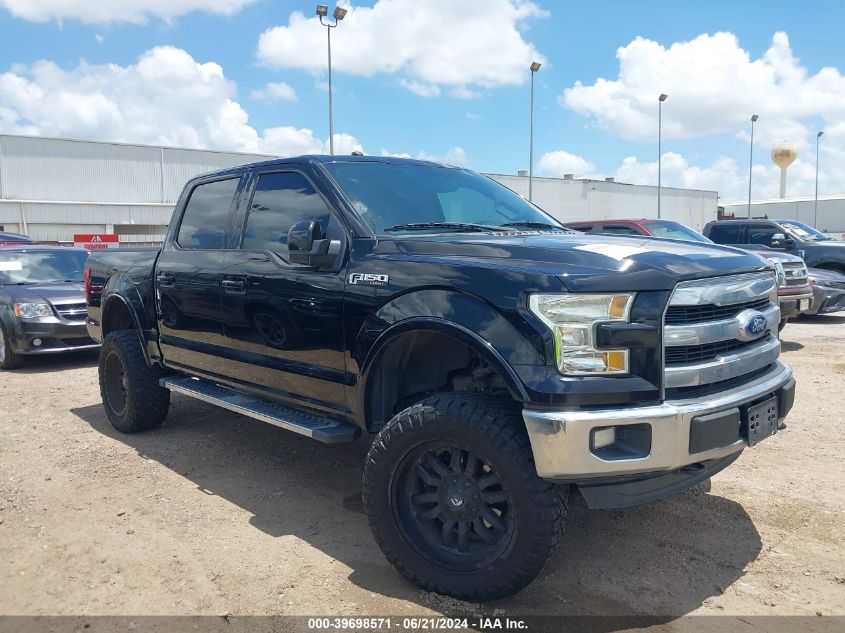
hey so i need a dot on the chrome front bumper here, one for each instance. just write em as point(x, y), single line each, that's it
point(561, 440)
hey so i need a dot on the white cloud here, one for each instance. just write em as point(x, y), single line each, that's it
point(275, 91)
point(714, 86)
point(166, 97)
point(103, 11)
point(344, 144)
point(560, 162)
point(456, 156)
point(724, 175)
point(429, 45)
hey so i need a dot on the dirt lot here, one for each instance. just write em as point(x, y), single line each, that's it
point(215, 513)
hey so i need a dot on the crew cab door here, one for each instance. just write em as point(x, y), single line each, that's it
point(283, 322)
point(187, 277)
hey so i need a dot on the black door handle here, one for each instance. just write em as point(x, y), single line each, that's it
point(234, 285)
point(166, 279)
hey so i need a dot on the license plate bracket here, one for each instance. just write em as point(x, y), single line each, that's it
point(761, 420)
point(804, 304)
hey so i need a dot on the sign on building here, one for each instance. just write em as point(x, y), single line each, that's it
point(96, 241)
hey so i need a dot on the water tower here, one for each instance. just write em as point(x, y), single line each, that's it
point(783, 156)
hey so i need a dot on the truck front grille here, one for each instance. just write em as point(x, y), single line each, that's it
point(680, 315)
point(707, 334)
point(795, 273)
point(72, 311)
point(694, 353)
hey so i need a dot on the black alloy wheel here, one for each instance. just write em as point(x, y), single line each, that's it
point(453, 507)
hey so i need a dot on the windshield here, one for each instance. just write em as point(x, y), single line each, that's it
point(675, 231)
point(39, 267)
point(804, 232)
point(392, 198)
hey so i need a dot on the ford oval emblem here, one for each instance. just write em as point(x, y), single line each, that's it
point(756, 325)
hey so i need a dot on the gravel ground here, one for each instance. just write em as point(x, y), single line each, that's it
point(216, 513)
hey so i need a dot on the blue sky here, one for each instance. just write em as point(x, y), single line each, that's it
point(447, 80)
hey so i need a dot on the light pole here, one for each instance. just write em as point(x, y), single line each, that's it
point(338, 15)
point(754, 118)
point(660, 101)
point(816, 203)
point(535, 66)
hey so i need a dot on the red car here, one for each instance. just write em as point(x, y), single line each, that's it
point(650, 228)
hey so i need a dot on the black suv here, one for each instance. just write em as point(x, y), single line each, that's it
point(814, 247)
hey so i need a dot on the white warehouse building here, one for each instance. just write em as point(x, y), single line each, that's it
point(52, 189)
point(569, 199)
point(827, 217)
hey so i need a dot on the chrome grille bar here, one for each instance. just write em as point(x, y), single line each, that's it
point(743, 352)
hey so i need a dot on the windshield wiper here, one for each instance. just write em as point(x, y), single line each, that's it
point(459, 226)
point(535, 225)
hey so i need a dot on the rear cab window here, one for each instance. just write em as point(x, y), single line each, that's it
point(207, 215)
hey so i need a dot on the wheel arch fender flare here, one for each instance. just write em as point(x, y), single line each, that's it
point(449, 328)
point(121, 292)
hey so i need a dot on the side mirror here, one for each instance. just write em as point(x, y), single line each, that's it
point(779, 240)
point(306, 245)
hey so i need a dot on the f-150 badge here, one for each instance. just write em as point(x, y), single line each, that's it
point(368, 279)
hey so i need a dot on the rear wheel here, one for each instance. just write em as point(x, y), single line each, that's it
point(132, 397)
point(8, 358)
point(454, 500)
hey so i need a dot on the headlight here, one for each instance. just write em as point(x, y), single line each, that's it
point(572, 319)
point(32, 310)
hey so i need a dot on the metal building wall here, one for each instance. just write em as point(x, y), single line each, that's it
point(572, 200)
point(831, 212)
point(33, 168)
point(52, 188)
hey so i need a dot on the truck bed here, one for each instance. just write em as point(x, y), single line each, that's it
point(130, 271)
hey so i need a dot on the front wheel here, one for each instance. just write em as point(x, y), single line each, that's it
point(132, 397)
point(8, 358)
point(454, 500)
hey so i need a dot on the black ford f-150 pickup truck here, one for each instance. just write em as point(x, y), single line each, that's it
point(495, 360)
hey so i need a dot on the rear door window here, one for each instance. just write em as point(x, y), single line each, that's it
point(725, 233)
point(207, 215)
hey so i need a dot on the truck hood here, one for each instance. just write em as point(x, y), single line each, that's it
point(775, 255)
point(590, 263)
point(53, 293)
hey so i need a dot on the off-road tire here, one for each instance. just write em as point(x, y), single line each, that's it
point(10, 360)
point(494, 430)
point(145, 402)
